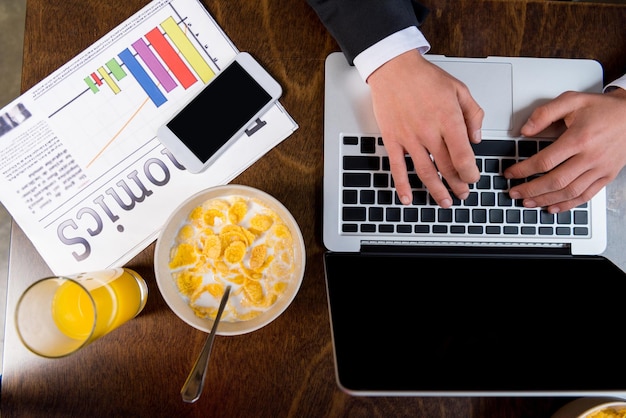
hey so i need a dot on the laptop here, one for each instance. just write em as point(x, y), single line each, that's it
point(487, 298)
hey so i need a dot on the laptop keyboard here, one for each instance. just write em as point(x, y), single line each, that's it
point(369, 203)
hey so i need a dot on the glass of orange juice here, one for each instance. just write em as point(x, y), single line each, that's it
point(57, 316)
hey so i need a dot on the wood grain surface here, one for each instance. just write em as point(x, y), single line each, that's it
point(286, 368)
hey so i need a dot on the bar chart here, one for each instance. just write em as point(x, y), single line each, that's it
point(163, 59)
point(116, 94)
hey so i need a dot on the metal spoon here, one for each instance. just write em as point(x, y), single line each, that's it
point(195, 381)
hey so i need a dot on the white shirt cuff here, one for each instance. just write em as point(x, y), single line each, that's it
point(390, 47)
point(620, 82)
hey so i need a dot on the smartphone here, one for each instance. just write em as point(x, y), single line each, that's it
point(217, 116)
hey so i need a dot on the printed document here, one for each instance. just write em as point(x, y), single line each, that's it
point(83, 173)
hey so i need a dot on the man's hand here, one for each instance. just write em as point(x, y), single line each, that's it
point(424, 111)
point(586, 157)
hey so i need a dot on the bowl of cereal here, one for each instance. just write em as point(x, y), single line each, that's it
point(593, 407)
point(230, 235)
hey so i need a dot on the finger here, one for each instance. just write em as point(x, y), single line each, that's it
point(562, 186)
point(588, 186)
point(473, 115)
point(443, 164)
point(545, 160)
point(543, 116)
point(457, 146)
point(566, 205)
point(428, 174)
point(557, 180)
point(397, 164)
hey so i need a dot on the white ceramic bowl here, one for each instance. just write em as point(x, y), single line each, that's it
point(166, 241)
point(588, 407)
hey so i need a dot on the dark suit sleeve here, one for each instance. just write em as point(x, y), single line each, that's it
point(359, 24)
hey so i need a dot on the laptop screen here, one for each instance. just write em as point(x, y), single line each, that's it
point(441, 324)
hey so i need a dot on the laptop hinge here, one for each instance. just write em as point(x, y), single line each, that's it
point(447, 247)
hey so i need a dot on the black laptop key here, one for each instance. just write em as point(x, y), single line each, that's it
point(410, 214)
point(385, 197)
point(462, 215)
point(527, 148)
point(428, 215)
point(356, 179)
point(444, 215)
point(563, 230)
point(381, 180)
point(479, 216)
point(504, 199)
point(564, 217)
point(457, 229)
point(484, 183)
point(393, 215)
point(488, 199)
point(375, 214)
point(361, 163)
point(506, 163)
point(500, 183)
point(351, 140)
point(420, 197)
point(350, 197)
point(495, 148)
point(472, 199)
point(368, 145)
point(546, 217)
point(353, 214)
point(530, 216)
point(496, 216)
point(367, 197)
point(492, 165)
point(580, 217)
point(513, 216)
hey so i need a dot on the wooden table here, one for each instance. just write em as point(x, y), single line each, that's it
point(286, 368)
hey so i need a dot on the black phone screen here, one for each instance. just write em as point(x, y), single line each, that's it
point(219, 111)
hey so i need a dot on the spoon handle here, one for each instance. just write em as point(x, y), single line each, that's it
point(195, 381)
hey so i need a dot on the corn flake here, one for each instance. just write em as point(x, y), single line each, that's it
point(235, 252)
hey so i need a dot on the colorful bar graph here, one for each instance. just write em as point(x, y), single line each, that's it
point(157, 64)
point(96, 79)
point(142, 77)
point(107, 79)
point(154, 65)
point(173, 61)
point(184, 45)
point(115, 69)
point(91, 84)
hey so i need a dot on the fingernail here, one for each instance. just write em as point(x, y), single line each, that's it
point(529, 125)
point(464, 196)
point(514, 194)
point(446, 203)
point(530, 204)
point(406, 200)
point(477, 135)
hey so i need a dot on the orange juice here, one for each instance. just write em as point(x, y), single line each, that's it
point(73, 311)
point(93, 304)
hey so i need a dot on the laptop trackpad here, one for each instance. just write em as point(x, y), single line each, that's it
point(491, 85)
